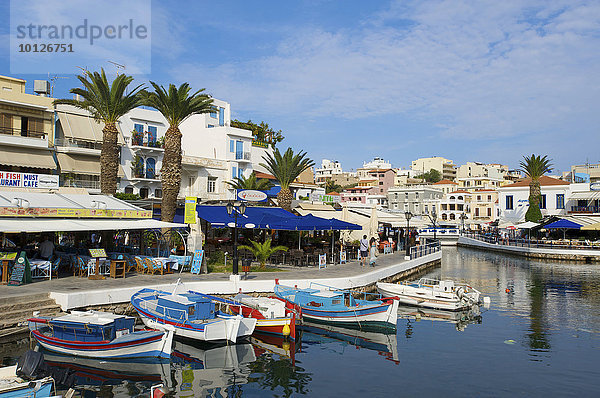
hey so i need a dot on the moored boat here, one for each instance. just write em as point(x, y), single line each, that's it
point(270, 313)
point(95, 334)
point(13, 386)
point(329, 305)
point(192, 315)
point(432, 293)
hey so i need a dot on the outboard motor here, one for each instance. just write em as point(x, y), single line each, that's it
point(31, 365)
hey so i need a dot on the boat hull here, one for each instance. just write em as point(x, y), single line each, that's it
point(277, 326)
point(143, 344)
point(409, 296)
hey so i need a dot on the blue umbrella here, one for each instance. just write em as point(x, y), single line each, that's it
point(563, 223)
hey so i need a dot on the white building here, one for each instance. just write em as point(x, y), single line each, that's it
point(415, 199)
point(375, 164)
point(328, 169)
point(445, 166)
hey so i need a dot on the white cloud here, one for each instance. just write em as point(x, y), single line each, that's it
point(495, 69)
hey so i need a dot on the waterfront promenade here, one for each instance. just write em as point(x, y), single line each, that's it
point(75, 292)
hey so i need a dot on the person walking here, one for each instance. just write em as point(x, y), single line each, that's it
point(373, 252)
point(364, 250)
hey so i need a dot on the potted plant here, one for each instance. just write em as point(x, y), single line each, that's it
point(137, 166)
point(137, 138)
point(262, 251)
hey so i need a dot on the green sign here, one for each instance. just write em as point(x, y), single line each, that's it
point(21, 272)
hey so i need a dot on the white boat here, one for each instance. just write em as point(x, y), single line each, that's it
point(432, 293)
point(12, 386)
point(192, 315)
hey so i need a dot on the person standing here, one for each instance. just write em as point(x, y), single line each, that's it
point(46, 249)
point(373, 252)
point(364, 250)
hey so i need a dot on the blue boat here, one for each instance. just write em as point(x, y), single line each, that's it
point(192, 315)
point(333, 306)
point(12, 386)
point(95, 334)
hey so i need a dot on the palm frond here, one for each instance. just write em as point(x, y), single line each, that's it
point(535, 166)
point(250, 183)
point(287, 167)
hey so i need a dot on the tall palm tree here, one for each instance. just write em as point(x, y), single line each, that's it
point(250, 183)
point(534, 167)
point(176, 105)
point(106, 103)
point(286, 168)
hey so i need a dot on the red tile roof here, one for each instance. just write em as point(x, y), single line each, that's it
point(442, 182)
point(544, 181)
point(260, 175)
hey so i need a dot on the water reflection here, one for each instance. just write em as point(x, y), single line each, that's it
point(459, 318)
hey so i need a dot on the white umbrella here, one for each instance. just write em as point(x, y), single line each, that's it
point(527, 225)
point(345, 217)
point(374, 223)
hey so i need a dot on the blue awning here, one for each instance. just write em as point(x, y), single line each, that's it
point(271, 218)
point(562, 223)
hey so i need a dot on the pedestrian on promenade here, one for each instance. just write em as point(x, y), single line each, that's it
point(373, 252)
point(364, 250)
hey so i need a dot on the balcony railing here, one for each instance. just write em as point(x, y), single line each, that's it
point(66, 142)
point(22, 133)
point(242, 155)
point(87, 184)
point(585, 209)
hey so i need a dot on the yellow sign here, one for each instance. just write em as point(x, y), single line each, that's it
point(73, 213)
point(190, 209)
point(8, 256)
point(100, 253)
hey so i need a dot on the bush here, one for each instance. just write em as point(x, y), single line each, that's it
point(127, 196)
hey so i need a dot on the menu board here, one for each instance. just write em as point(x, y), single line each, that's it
point(21, 272)
point(98, 253)
point(8, 255)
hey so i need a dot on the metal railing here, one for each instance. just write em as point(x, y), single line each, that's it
point(545, 244)
point(242, 155)
point(423, 250)
point(585, 209)
point(87, 184)
point(66, 142)
point(22, 133)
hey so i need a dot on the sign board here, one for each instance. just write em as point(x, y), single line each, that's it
point(322, 261)
point(595, 186)
point(14, 211)
point(98, 253)
point(319, 197)
point(252, 196)
point(8, 255)
point(190, 210)
point(343, 257)
point(28, 180)
point(21, 272)
point(197, 262)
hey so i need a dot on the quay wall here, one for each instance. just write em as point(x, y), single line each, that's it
point(118, 299)
point(534, 252)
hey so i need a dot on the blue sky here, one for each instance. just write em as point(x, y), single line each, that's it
point(349, 80)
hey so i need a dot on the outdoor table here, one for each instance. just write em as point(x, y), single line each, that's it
point(167, 263)
point(94, 264)
point(117, 268)
point(41, 268)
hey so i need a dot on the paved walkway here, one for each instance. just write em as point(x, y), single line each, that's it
point(73, 284)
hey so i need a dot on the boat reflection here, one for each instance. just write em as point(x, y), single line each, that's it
point(94, 377)
point(459, 318)
point(215, 371)
point(384, 341)
point(270, 343)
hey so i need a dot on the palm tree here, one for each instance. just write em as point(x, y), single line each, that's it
point(250, 183)
point(106, 103)
point(534, 167)
point(176, 105)
point(286, 169)
point(262, 251)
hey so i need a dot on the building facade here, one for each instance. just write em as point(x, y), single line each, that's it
point(445, 166)
point(413, 198)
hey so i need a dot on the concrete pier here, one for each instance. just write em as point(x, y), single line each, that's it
point(586, 255)
point(74, 292)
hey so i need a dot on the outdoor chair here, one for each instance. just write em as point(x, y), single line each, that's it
point(131, 264)
point(55, 265)
point(152, 266)
point(140, 267)
point(80, 268)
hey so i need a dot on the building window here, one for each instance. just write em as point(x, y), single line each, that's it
point(212, 185)
point(479, 198)
point(477, 212)
point(221, 116)
point(150, 168)
point(143, 193)
point(543, 202)
point(489, 198)
point(233, 172)
point(239, 150)
point(158, 193)
point(489, 211)
point(380, 182)
point(152, 133)
point(210, 126)
point(6, 124)
point(213, 115)
point(231, 146)
point(138, 127)
point(240, 173)
point(129, 189)
point(560, 200)
point(509, 202)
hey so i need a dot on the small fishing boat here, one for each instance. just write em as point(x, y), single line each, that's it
point(95, 334)
point(329, 305)
point(192, 315)
point(13, 386)
point(270, 313)
point(432, 293)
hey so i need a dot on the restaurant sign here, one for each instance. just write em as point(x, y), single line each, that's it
point(318, 197)
point(28, 180)
point(595, 186)
point(72, 213)
point(252, 196)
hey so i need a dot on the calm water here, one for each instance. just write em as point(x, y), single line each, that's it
point(540, 338)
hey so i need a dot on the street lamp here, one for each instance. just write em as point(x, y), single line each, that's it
point(408, 216)
point(463, 217)
point(234, 210)
point(433, 218)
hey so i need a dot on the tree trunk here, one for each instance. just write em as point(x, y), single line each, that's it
point(109, 159)
point(284, 198)
point(533, 212)
point(170, 173)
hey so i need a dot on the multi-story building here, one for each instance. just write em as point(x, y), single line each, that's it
point(328, 169)
point(445, 166)
point(476, 183)
point(513, 199)
point(412, 198)
point(583, 173)
point(452, 205)
point(446, 186)
point(406, 177)
point(383, 180)
point(26, 128)
point(375, 164)
point(478, 169)
point(484, 206)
